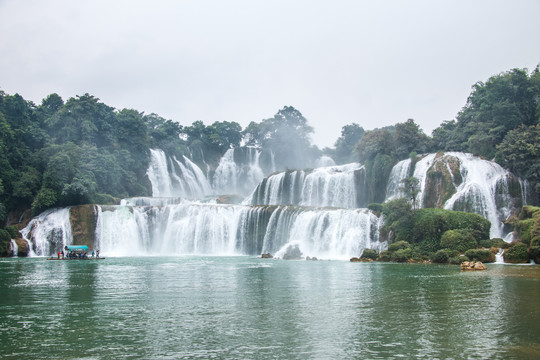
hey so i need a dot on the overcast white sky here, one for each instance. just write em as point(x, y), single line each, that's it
point(375, 63)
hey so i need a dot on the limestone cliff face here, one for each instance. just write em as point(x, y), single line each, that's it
point(443, 178)
point(83, 219)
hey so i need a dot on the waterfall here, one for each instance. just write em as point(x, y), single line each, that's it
point(333, 186)
point(474, 185)
point(399, 172)
point(336, 234)
point(48, 232)
point(238, 172)
point(212, 229)
point(14, 248)
point(484, 190)
point(173, 178)
point(420, 172)
point(325, 161)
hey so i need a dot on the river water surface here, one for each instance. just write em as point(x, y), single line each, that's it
point(250, 308)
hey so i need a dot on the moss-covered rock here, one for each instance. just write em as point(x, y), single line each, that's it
point(442, 178)
point(430, 224)
point(83, 219)
point(483, 255)
point(527, 228)
point(516, 254)
point(458, 239)
point(369, 254)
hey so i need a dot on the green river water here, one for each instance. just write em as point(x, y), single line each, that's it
point(250, 308)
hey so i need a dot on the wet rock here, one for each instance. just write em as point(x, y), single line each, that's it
point(473, 265)
point(356, 259)
point(292, 253)
point(311, 258)
point(267, 256)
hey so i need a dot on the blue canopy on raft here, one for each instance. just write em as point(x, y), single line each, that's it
point(77, 248)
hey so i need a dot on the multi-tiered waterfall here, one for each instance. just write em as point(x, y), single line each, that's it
point(319, 210)
point(459, 181)
point(183, 217)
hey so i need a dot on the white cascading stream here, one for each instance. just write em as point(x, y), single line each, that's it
point(482, 180)
point(483, 190)
point(399, 172)
point(332, 186)
point(48, 232)
point(238, 178)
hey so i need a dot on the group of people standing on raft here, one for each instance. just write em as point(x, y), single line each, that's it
point(75, 255)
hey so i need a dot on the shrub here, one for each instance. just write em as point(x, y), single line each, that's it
point(459, 239)
point(369, 254)
point(375, 207)
point(401, 255)
point(496, 243)
point(482, 255)
point(430, 224)
point(13, 232)
point(440, 257)
point(384, 256)
point(517, 253)
point(534, 253)
point(457, 260)
point(400, 245)
point(5, 240)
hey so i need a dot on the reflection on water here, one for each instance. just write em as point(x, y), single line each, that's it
point(249, 308)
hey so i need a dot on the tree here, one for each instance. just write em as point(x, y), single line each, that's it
point(345, 144)
point(409, 137)
point(411, 188)
point(520, 152)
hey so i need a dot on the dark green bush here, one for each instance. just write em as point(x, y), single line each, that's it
point(482, 255)
point(400, 245)
point(401, 255)
point(534, 254)
point(376, 207)
point(369, 254)
point(384, 256)
point(517, 253)
point(457, 260)
point(13, 232)
point(459, 239)
point(440, 257)
point(5, 240)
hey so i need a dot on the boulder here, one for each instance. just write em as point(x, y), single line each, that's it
point(473, 265)
point(267, 256)
point(292, 253)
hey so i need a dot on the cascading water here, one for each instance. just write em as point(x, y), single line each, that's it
point(399, 172)
point(48, 232)
point(481, 186)
point(14, 248)
point(169, 224)
point(333, 186)
point(173, 178)
point(484, 190)
point(238, 176)
point(197, 228)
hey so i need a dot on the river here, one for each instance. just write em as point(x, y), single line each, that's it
point(249, 308)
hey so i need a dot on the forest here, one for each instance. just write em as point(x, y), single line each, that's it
point(80, 150)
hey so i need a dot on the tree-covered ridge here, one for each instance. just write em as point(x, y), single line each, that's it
point(84, 151)
point(79, 151)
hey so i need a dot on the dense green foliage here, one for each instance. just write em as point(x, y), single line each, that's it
point(459, 239)
point(500, 120)
point(83, 151)
point(430, 230)
point(517, 253)
point(287, 135)
point(528, 226)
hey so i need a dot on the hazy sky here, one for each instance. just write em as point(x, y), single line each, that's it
point(375, 63)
